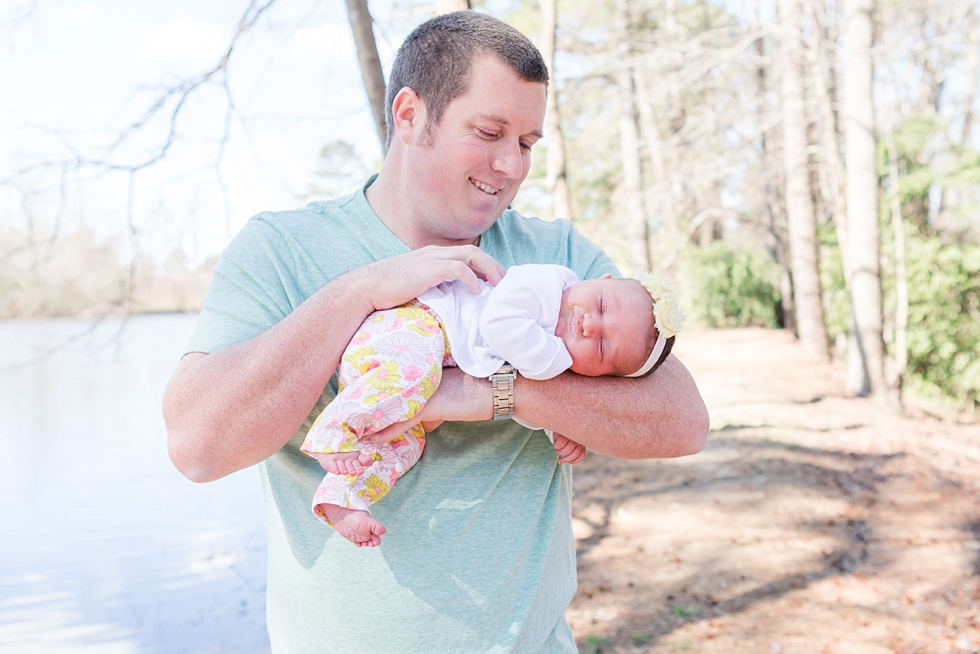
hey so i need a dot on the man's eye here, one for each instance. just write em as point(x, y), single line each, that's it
point(526, 147)
point(485, 134)
point(602, 305)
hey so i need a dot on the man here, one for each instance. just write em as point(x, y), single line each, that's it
point(478, 555)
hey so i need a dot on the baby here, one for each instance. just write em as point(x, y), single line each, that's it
point(540, 318)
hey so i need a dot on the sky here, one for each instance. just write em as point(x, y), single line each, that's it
point(75, 73)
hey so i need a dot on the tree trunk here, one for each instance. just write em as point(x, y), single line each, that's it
point(555, 177)
point(775, 224)
point(972, 44)
point(799, 204)
point(833, 179)
point(862, 195)
point(900, 354)
point(630, 143)
point(831, 168)
point(663, 187)
point(367, 56)
point(831, 172)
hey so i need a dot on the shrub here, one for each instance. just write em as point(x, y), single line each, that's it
point(944, 318)
point(732, 286)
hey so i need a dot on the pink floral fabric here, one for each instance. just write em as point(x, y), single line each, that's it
point(389, 370)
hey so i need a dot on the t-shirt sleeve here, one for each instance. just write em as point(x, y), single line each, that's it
point(252, 288)
point(517, 322)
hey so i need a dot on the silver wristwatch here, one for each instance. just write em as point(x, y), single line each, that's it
point(502, 383)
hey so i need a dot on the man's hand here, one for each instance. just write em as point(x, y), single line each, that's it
point(397, 280)
point(237, 406)
point(568, 450)
point(459, 397)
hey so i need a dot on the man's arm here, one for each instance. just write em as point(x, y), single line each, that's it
point(658, 416)
point(237, 406)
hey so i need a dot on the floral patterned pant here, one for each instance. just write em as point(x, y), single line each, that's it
point(391, 368)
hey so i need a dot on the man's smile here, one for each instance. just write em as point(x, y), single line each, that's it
point(486, 188)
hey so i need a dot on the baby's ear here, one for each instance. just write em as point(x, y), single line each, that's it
point(606, 276)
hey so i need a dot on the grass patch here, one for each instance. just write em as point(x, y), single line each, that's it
point(682, 611)
point(641, 639)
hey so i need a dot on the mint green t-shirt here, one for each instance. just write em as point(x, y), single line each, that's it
point(479, 554)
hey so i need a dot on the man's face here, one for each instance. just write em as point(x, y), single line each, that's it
point(604, 324)
point(468, 168)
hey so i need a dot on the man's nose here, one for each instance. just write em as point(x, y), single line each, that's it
point(509, 160)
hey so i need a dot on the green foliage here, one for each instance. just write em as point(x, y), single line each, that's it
point(682, 611)
point(340, 171)
point(917, 138)
point(640, 638)
point(944, 318)
point(928, 157)
point(595, 643)
point(836, 301)
point(732, 286)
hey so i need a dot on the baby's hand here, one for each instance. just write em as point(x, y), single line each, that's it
point(568, 450)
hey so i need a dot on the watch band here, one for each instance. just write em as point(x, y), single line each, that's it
point(502, 384)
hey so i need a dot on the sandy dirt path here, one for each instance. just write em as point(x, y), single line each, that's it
point(811, 522)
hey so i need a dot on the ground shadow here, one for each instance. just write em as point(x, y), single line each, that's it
point(652, 611)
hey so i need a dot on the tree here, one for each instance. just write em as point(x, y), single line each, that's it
point(799, 205)
point(629, 142)
point(555, 178)
point(862, 196)
point(362, 26)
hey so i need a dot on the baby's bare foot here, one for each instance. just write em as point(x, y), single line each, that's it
point(356, 526)
point(344, 463)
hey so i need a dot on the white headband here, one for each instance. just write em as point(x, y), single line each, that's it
point(658, 349)
point(666, 314)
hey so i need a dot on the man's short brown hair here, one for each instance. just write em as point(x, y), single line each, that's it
point(436, 59)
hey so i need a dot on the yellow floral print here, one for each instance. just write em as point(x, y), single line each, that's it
point(375, 489)
point(375, 390)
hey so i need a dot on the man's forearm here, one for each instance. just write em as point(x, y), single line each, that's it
point(231, 409)
point(658, 416)
point(235, 407)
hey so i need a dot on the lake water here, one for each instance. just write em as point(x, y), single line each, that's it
point(104, 546)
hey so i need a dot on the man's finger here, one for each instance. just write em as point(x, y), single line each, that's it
point(482, 264)
point(393, 431)
point(465, 274)
point(488, 268)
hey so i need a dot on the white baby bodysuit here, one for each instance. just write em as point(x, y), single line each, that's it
point(513, 322)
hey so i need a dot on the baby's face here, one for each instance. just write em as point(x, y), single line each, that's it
point(603, 323)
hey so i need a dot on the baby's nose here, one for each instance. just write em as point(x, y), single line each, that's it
point(589, 324)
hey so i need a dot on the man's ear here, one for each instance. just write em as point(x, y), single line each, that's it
point(408, 112)
point(606, 276)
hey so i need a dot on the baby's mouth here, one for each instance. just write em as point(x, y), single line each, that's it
point(575, 322)
point(486, 188)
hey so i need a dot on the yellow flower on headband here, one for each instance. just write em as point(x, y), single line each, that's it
point(665, 310)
